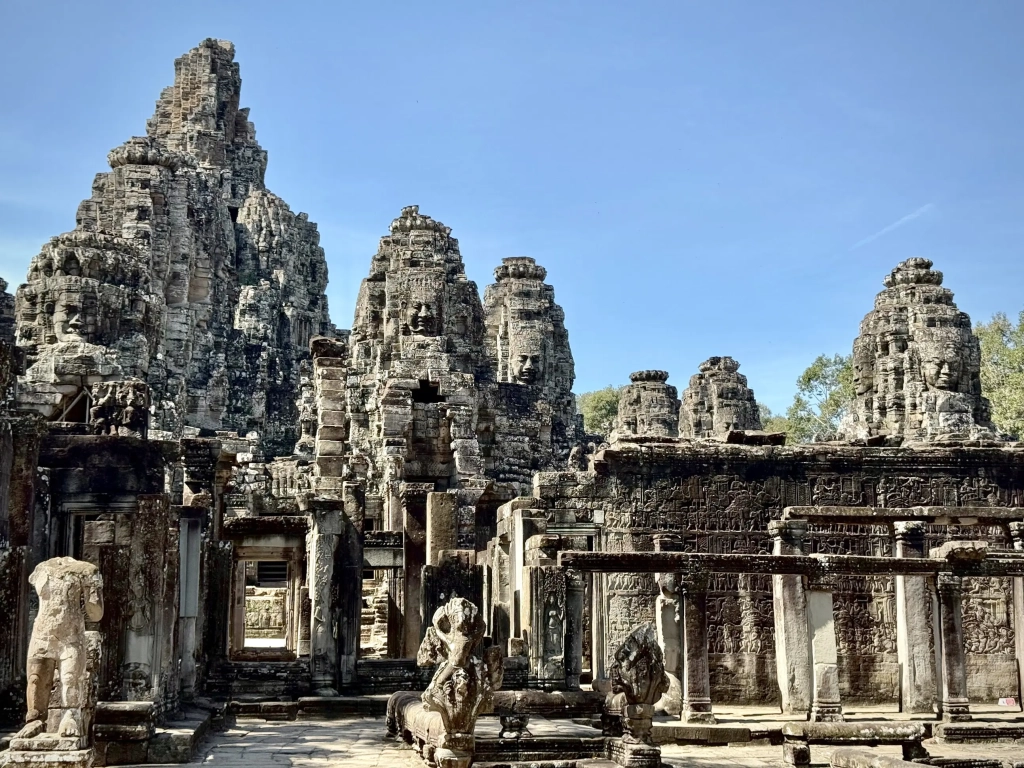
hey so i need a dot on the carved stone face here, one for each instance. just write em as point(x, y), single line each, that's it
point(526, 368)
point(421, 317)
point(73, 309)
point(942, 372)
point(863, 370)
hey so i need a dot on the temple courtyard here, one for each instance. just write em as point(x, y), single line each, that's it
point(363, 743)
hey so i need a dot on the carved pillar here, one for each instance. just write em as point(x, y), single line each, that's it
point(546, 634)
point(1017, 533)
point(696, 678)
point(190, 553)
point(575, 599)
point(954, 703)
point(347, 587)
point(789, 603)
point(914, 631)
point(321, 544)
point(825, 702)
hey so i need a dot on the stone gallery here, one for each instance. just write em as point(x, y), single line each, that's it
point(213, 502)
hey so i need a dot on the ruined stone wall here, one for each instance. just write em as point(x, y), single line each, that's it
point(183, 271)
point(720, 499)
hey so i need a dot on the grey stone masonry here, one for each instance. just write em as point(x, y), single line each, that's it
point(718, 401)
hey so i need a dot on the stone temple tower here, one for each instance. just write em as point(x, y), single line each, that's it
point(718, 401)
point(183, 272)
point(528, 342)
point(916, 363)
point(648, 407)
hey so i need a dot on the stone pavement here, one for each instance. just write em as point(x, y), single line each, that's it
point(363, 743)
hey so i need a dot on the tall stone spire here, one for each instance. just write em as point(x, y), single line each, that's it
point(916, 363)
point(528, 342)
point(183, 271)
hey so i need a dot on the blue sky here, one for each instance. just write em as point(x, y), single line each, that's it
point(699, 178)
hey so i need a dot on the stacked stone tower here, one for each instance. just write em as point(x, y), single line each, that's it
point(718, 401)
point(183, 271)
point(648, 407)
point(527, 339)
point(916, 363)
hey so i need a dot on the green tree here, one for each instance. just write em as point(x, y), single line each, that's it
point(772, 422)
point(599, 409)
point(823, 394)
point(1002, 371)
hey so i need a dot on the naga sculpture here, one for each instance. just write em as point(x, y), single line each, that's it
point(638, 681)
point(465, 678)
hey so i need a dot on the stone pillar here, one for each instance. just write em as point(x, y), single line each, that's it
point(545, 584)
point(442, 525)
point(914, 631)
point(322, 541)
point(789, 603)
point(348, 589)
point(953, 703)
point(575, 600)
point(414, 511)
point(825, 701)
point(190, 554)
point(1017, 534)
point(696, 679)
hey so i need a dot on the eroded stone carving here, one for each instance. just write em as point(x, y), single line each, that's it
point(718, 401)
point(639, 675)
point(916, 363)
point(70, 592)
point(183, 271)
point(648, 407)
point(466, 677)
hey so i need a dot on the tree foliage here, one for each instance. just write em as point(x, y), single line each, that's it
point(823, 394)
point(1002, 371)
point(599, 409)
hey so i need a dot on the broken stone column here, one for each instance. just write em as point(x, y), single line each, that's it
point(696, 678)
point(789, 603)
point(1017, 534)
point(826, 706)
point(914, 631)
point(954, 703)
